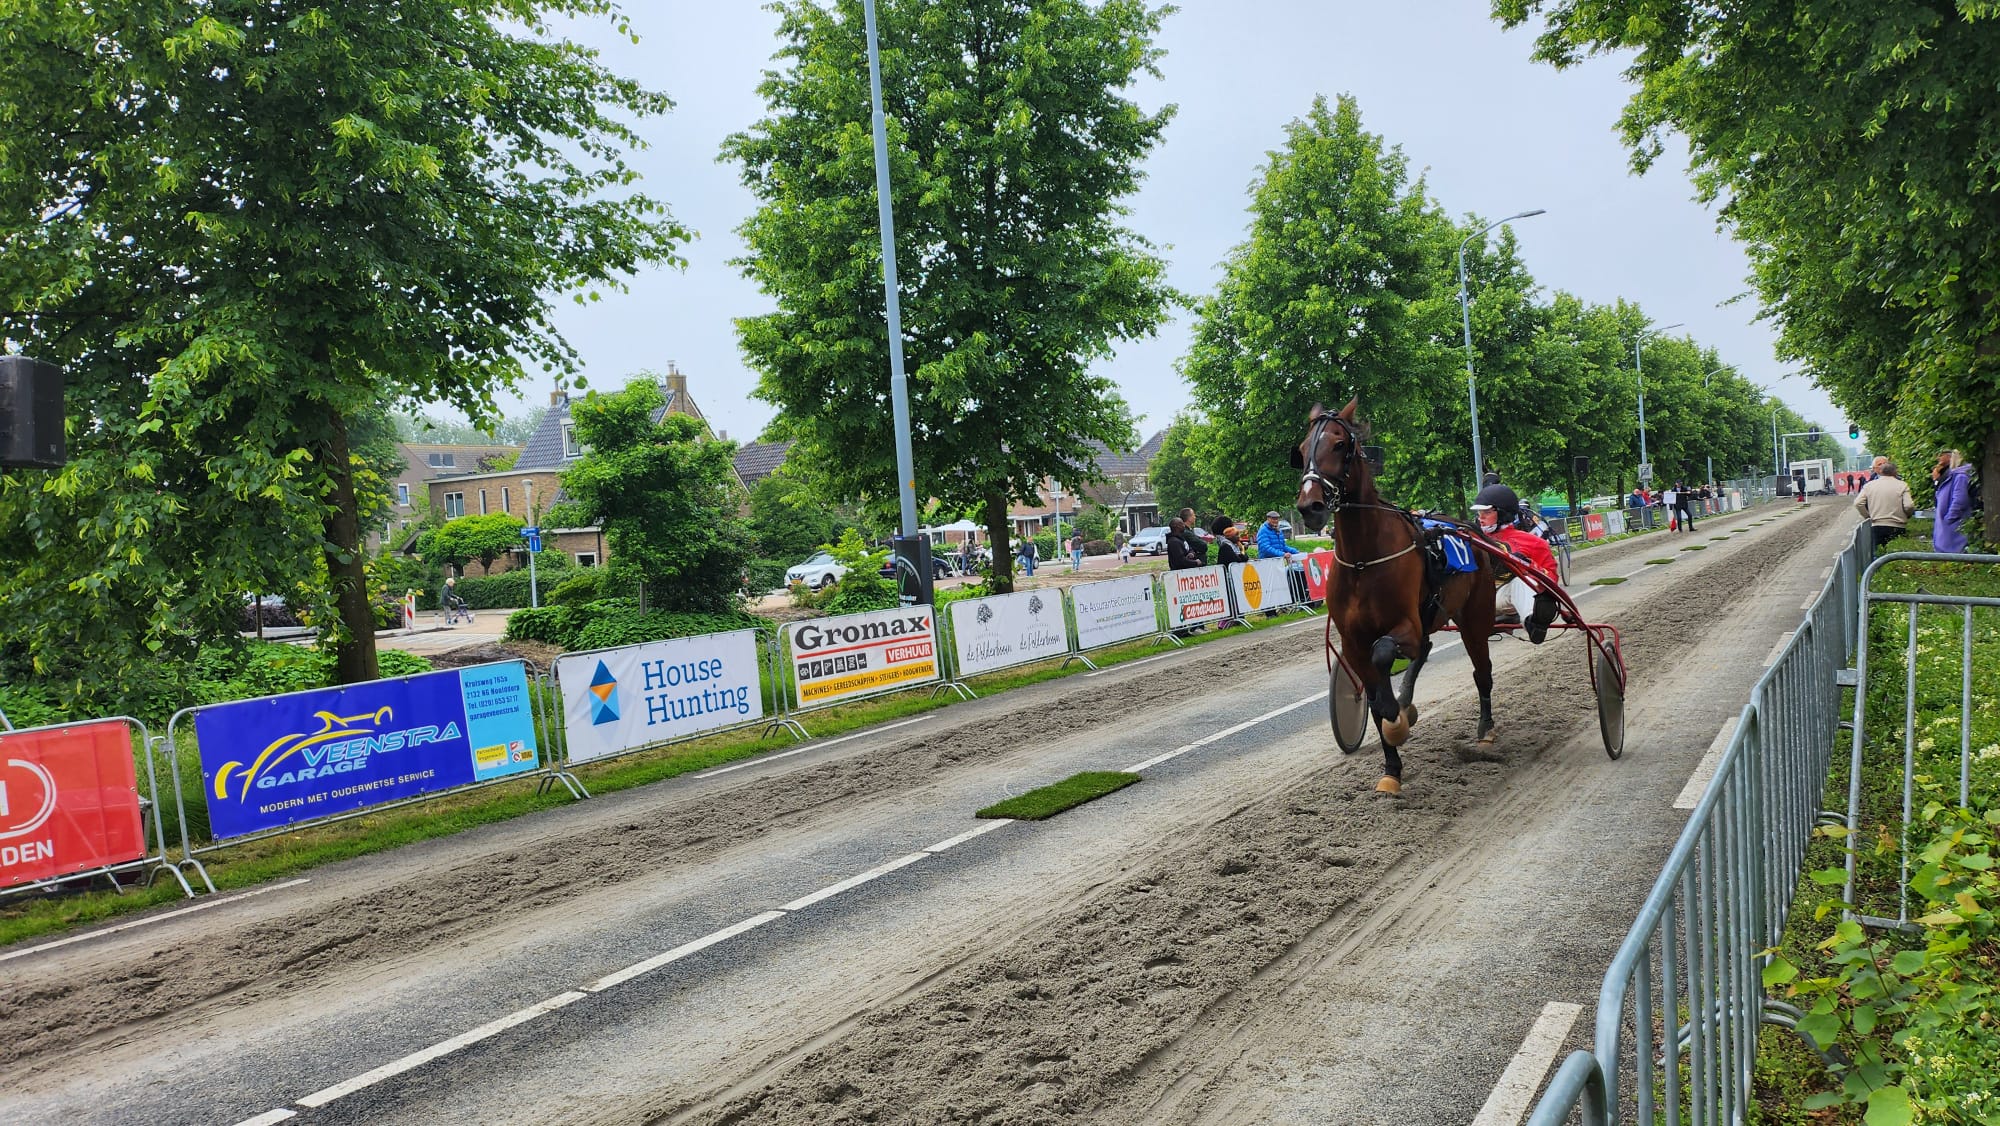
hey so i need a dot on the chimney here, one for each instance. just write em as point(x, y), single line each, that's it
point(676, 383)
point(556, 398)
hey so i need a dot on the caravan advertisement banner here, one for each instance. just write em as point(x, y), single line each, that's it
point(620, 700)
point(1196, 595)
point(1114, 610)
point(270, 762)
point(858, 654)
point(1006, 630)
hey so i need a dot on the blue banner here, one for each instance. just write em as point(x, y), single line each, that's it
point(274, 761)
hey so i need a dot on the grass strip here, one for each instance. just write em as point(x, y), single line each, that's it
point(1044, 803)
point(1658, 562)
point(1695, 547)
point(1608, 580)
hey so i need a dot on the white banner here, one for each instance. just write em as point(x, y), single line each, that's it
point(1196, 595)
point(1614, 523)
point(1261, 584)
point(1114, 610)
point(1006, 630)
point(622, 699)
point(856, 654)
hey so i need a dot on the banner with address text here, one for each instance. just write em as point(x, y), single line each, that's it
point(619, 700)
point(859, 654)
point(1114, 610)
point(1005, 630)
point(1195, 596)
point(69, 801)
point(270, 762)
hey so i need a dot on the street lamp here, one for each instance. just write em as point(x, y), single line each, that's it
point(1638, 344)
point(1704, 386)
point(1465, 312)
point(899, 393)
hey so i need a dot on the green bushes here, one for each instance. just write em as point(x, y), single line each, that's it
point(30, 705)
point(509, 589)
point(1098, 547)
point(260, 668)
point(587, 585)
point(609, 623)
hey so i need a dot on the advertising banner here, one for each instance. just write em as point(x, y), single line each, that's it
point(1006, 630)
point(1615, 524)
point(1261, 584)
point(69, 802)
point(1196, 595)
point(623, 699)
point(1319, 575)
point(1114, 610)
point(856, 654)
point(270, 762)
point(1593, 526)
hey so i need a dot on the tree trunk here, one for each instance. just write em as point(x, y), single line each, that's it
point(1989, 487)
point(1000, 540)
point(347, 576)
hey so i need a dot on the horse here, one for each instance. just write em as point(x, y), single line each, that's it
point(1380, 595)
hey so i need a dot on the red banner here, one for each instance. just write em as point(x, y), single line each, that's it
point(1593, 527)
point(1319, 572)
point(69, 802)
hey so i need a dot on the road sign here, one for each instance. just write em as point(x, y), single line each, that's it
point(534, 538)
point(1646, 473)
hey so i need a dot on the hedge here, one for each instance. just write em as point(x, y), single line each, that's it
point(609, 623)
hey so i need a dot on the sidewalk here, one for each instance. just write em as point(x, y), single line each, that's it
point(431, 636)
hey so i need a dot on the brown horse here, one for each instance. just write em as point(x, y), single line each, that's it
point(1380, 595)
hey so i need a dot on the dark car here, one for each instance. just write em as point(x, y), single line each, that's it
point(940, 568)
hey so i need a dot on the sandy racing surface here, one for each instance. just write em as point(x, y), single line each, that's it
point(1250, 934)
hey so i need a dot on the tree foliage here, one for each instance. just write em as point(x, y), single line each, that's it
point(790, 519)
point(1176, 481)
point(1850, 145)
point(665, 494)
point(485, 538)
point(241, 225)
point(1012, 143)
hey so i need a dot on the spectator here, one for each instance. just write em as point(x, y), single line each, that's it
point(1886, 504)
point(1191, 532)
point(1954, 503)
point(1228, 549)
point(1028, 555)
point(1875, 467)
point(1123, 543)
point(1684, 505)
point(1271, 542)
point(1180, 556)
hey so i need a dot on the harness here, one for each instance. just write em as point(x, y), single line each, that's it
point(1420, 537)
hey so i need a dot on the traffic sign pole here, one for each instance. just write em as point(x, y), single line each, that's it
point(534, 538)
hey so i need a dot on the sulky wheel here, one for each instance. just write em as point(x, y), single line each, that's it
point(1349, 709)
point(1607, 676)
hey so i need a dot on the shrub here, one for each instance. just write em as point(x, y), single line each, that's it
point(629, 627)
point(587, 585)
point(852, 598)
point(269, 668)
point(551, 625)
point(1098, 547)
point(1045, 545)
point(31, 705)
point(765, 575)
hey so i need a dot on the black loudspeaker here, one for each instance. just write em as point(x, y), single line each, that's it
point(31, 414)
point(1580, 466)
point(914, 580)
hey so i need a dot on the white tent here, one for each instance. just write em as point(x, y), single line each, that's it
point(961, 526)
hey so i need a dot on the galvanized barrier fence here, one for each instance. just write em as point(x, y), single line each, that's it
point(1965, 605)
point(1677, 1018)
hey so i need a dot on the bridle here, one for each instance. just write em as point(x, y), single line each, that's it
point(1335, 495)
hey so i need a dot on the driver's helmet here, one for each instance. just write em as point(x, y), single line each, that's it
point(1500, 499)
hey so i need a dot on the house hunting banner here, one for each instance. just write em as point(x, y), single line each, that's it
point(270, 762)
point(1007, 630)
point(623, 699)
point(859, 654)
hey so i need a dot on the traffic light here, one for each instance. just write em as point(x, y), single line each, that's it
point(1812, 435)
point(1853, 430)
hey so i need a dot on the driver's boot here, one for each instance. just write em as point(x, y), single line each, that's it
point(1537, 625)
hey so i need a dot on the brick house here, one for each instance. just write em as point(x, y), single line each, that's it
point(424, 462)
point(1127, 491)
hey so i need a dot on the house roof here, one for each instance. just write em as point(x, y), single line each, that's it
point(544, 448)
point(758, 460)
point(1111, 463)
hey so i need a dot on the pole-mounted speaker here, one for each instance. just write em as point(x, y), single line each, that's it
point(1580, 466)
point(31, 414)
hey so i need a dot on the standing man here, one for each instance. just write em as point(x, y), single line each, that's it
point(1076, 552)
point(1271, 544)
point(1179, 556)
point(1685, 506)
point(1191, 532)
point(1886, 504)
point(1028, 555)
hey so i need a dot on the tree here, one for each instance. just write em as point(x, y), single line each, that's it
point(1317, 307)
point(1011, 147)
point(1176, 483)
point(485, 538)
point(790, 520)
point(1849, 144)
point(666, 496)
point(240, 226)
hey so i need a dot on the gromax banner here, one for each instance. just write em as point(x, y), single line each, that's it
point(277, 760)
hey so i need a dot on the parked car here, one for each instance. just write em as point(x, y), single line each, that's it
point(819, 572)
point(941, 567)
point(1150, 541)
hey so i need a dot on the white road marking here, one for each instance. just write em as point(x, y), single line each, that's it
point(1123, 665)
point(151, 919)
point(852, 882)
point(638, 969)
point(1140, 767)
point(1697, 783)
point(269, 1118)
point(442, 1048)
point(1783, 640)
point(1808, 603)
point(761, 759)
point(1508, 1103)
point(953, 842)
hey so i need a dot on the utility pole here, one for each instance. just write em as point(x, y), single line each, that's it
point(899, 388)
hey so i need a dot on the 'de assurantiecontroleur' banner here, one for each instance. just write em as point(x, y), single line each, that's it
point(622, 699)
point(270, 762)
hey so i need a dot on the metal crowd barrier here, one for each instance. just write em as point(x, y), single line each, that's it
point(1678, 1015)
point(1964, 604)
point(156, 860)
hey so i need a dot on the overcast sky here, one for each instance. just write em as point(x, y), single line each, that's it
point(1493, 132)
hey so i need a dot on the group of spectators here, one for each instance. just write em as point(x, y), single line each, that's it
point(1186, 547)
point(1886, 504)
point(1679, 504)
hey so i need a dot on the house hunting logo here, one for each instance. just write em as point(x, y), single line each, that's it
point(603, 696)
point(342, 744)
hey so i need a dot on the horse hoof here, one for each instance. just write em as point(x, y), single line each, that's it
point(1410, 715)
point(1388, 785)
point(1490, 738)
point(1395, 732)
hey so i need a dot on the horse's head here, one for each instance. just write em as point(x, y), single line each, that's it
point(1330, 458)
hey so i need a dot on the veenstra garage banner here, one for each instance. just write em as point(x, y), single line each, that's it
point(1196, 595)
point(69, 801)
point(622, 699)
point(1114, 610)
point(1261, 584)
point(1007, 630)
point(857, 654)
point(270, 762)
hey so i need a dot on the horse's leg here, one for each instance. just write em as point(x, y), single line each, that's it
point(1409, 691)
point(1390, 722)
point(1475, 628)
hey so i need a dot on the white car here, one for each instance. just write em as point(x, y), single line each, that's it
point(1150, 541)
point(819, 572)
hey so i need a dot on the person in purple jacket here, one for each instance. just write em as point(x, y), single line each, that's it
point(1954, 504)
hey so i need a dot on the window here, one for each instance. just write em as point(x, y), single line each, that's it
point(402, 494)
point(586, 559)
point(454, 505)
point(506, 505)
point(482, 502)
point(443, 461)
point(571, 447)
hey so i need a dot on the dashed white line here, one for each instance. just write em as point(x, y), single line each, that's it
point(151, 919)
point(982, 830)
point(1123, 665)
point(1148, 764)
point(852, 882)
point(442, 1048)
point(638, 969)
point(761, 759)
point(269, 1118)
point(1508, 1103)
point(1697, 783)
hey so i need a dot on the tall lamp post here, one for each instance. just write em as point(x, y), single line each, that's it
point(1704, 386)
point(899, 390)
point(1465, 313)
point(1638, 345)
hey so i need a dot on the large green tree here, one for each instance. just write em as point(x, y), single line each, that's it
point(242, 224)
point(1850, 144)
point(1013, 141)
point(1175, 479)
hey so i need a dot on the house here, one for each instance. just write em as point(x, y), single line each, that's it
point(1126, 491)
point(424, 462)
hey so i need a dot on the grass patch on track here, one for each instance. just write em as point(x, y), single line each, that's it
point(1658, 562)
point(1608, 580)
point(1044, 803)
point(1695, 547)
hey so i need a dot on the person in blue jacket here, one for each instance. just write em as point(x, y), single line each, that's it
point(1271, 544)
point(1954, 503)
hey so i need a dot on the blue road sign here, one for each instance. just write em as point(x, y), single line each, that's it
point(534, 538)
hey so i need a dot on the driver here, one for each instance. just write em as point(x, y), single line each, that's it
point(1534, 609)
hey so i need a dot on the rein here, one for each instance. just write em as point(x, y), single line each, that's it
point(1336, 494)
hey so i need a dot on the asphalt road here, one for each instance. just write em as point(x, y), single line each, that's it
point(1248, 935)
